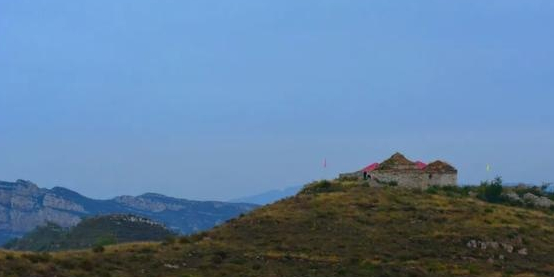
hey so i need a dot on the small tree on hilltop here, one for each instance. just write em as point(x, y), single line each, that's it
point(491, 191)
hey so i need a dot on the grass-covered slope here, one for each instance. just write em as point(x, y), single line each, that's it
point(95, 231)
point(342, 229)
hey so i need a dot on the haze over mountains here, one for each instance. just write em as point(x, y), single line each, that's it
point(268, 197)
point(24, 206)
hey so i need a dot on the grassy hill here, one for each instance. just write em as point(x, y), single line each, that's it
point(95, 231)
point(334, 229)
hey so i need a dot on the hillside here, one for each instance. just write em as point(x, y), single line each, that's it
point(335, 229)
point(24, 206)
point(95, 231)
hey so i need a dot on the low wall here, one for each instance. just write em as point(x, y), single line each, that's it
point(415, 179)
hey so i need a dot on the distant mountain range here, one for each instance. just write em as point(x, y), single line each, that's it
point(269, 196)
point(94, 231)
point(24, 206)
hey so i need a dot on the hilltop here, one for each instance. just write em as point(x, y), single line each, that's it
point(24, 206)
point(339, 228)
point(90, 232)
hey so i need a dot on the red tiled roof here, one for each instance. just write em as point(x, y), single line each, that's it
point(420, 164)
point(370, 167)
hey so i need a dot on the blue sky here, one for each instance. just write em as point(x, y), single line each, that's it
point(221, 99)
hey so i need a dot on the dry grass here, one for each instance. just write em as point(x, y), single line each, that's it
point(354, 231)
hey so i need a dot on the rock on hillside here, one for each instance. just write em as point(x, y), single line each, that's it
point(24, 206)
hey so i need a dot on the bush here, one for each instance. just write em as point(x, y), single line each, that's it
point(106, 240)
point(433, 190)
point(98, 249)
point(392, 183)
point(37, 257)
point(491, 191)
point(219, 257)
point(322, 187)
point(169, 240)
point(184, 240)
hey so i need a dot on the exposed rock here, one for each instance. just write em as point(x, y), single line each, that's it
point(539, 201)
point(509, 248)
point(472, 244)
point(22, 202)
point(172, 266)
point(141, 203)
point(513, 196)
point(522, 251)
point(53, 201)
point(483, 245)
point(494, 245)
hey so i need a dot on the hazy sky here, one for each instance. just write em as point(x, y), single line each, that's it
point(220, 99)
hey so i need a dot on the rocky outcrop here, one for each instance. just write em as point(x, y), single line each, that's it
point(529, 198)
point(539, 201)
point(24, 206)
point(142, 203)
point(506, 246)
point(53, 201)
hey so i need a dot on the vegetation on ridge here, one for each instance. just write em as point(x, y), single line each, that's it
point(96, 231)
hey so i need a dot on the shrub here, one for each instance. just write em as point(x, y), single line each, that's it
point(491, 191)
point(37, 257)
point(433, 190)
point(98, 249)
point(322, 187)
point(184, 240)
point(169, 240)
point(392, 183)
point(219, 257)
point(106, 240)
point(86, 265)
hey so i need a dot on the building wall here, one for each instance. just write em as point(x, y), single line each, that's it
point(443, 179)
point(412, 179)
point(358, 174)
point(415, 179)
point(408, 178)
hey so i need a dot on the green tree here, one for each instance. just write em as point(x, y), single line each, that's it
point(492, 190)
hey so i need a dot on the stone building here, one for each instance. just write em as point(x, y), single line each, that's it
point(398, 170)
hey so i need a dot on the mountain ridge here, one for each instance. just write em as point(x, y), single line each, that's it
point(24, 206)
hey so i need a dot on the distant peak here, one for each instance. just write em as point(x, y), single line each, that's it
point(62, 189)
point(25, 182)
point(152, 195)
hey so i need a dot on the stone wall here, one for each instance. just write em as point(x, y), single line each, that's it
point(442, 179)
point(352, 175)
point(415, 178)
point(412, 178)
